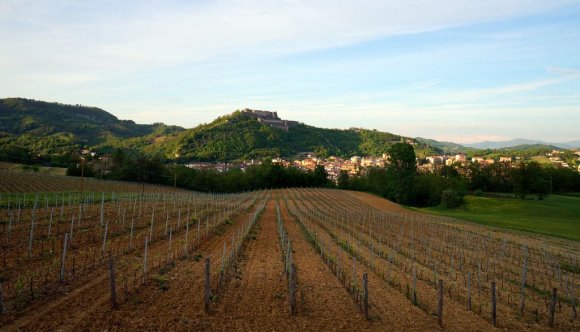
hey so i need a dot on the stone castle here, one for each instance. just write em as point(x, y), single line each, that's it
point(270, 118)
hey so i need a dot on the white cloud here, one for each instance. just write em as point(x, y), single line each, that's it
point(108, 37)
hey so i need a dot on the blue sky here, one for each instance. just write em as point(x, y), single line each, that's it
point(456, 70)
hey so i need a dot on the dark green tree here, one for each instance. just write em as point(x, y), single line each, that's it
point(401, 170)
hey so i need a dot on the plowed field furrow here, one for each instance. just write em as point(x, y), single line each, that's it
point(456, 316)
point(323, 302)
point(180, 306)
point(259, 300)
point(88, 306)
point(389, 308)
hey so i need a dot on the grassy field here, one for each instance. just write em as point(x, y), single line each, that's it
point(39, 169)
point(557, 215)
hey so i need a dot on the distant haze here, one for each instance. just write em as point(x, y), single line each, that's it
point(521, 141)
point(464, 71)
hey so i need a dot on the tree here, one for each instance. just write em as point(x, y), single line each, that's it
point(401, 170)
point(320, 176)
point(530, 178)
point(343, 180)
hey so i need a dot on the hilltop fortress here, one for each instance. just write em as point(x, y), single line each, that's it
point(269, 118)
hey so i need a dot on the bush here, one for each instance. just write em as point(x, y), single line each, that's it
point(478, 193)
point(451, 199)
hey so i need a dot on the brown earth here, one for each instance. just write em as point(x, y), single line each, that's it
point(88, 306)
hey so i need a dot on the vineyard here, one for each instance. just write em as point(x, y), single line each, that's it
point(122, 258)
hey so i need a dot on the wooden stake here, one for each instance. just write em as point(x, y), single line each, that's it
point(1, 301)
point(62, 263)
point(207, 291)
point(493, 305)
point(145, 261)
point(112, 282)
point(292, 289)
point(469, 291)
point(366, 295)
point(553, 306)
point(440, 303)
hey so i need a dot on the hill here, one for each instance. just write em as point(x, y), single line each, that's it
point(524, 151)
point(43, 128)
point(521, 141)
point(447, 147)
point(237, 136)
point(37, 128)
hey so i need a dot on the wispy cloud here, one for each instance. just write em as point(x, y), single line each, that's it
point(109, 36)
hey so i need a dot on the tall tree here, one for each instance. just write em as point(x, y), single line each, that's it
point(402, 169)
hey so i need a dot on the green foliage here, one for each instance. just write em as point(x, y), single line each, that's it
point(530, 178)
point(77, 170)
point(31, 128)
point(451, 199)
point(556, 215)
point(447, 147)
point(237, 137)
point(401, 170)
point(162, 281)
point(263, 176)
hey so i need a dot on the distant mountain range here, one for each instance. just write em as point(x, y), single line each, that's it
point(521, 141)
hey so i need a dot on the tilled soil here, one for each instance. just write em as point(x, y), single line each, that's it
point(170, 301)
point(258, 299)
point(324, 304)
point(88, 307)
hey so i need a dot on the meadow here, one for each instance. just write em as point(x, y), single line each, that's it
point(556, 215)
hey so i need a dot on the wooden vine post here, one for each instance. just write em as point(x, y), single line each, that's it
point(366, 295)
point(207, 291)
point(440, 303)
point(1, 301)
point(145, 260)
point(112, 282)
point(62, 263)
point(469, 291)
point(292, 289)
point(553, 306)
point(493, 305)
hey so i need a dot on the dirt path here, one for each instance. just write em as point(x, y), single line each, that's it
point(257, 301)
point(323, 302)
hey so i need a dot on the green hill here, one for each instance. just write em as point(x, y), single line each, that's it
point(37, 128)
point(238, 136)
point(447, 147)
point(43, 128)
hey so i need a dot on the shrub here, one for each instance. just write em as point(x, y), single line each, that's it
point(451, 199)
point(478, 193)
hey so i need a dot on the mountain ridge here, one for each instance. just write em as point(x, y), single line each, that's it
point(521, 141)
point(36, 127)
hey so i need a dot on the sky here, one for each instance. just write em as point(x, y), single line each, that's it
point(454, 70)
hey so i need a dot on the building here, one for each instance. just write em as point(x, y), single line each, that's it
point(270, 119)
point(460, 157)
point(505, 159)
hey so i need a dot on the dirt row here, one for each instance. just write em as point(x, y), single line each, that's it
point(88, 306)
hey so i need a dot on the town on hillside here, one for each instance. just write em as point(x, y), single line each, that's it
point(353, 166)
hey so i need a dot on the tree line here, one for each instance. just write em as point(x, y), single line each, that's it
point(399, 180)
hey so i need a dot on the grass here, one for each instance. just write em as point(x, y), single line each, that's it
point(557, 215)
point(33, 168)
